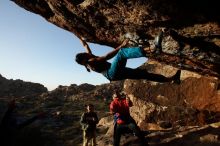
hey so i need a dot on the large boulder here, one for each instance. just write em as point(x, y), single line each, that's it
point(193, 43)
point(195, 101)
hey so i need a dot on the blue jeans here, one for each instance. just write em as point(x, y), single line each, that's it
point(117, 70)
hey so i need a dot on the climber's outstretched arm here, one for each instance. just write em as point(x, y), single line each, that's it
point(85, 45)
point(114, 52)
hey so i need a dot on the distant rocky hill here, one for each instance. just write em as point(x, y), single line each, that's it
point(84, 91)
point(18, 88)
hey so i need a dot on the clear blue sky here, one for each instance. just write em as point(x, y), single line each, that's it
point(35, 50)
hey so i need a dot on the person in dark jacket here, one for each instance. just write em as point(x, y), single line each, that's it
point(89, 120)
point(10, 125)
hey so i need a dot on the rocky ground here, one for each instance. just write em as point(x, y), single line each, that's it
point(61, 126)
point(64, 106)
point(207, 135)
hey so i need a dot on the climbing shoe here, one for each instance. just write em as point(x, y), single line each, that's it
point(158, 42)
point(176, 77)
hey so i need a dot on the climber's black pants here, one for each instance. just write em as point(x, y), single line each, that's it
point(120, 129)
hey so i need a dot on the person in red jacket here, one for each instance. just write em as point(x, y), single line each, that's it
point(123, 120)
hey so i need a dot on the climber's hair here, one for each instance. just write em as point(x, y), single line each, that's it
point(80, 57)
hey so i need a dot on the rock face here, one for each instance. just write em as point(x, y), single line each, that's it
point(195, 101)
point(191, 43)
point(158, 106)
point(18, 88)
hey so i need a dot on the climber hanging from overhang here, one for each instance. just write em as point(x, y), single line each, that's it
point(117, 70)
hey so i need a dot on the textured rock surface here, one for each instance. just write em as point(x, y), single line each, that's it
point(195, 101)
point(193, 44)
point(207, 135)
